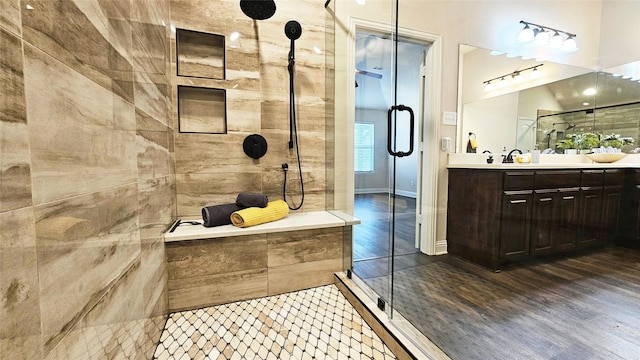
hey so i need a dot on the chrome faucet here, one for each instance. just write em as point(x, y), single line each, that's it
point(509, 159)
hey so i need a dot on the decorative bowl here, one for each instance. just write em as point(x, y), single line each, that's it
point(605, 158)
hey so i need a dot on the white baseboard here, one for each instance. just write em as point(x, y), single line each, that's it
point(441, 247)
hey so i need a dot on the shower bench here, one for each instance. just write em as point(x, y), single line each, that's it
point(210, 266)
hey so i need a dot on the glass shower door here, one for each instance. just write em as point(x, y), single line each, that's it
point(385, 164)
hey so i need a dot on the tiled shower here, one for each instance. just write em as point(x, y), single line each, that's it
point(95, 168)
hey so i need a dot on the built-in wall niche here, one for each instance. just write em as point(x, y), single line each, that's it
point(202, 110)
point(200, 54)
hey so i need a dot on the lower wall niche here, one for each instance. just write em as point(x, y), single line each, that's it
point(202, 110)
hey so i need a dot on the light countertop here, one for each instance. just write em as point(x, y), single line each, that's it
point(478, 161)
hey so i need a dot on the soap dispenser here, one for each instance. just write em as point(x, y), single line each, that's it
point(535, 155)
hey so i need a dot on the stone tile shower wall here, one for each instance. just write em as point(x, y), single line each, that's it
point(87, 181)
point(212, 168)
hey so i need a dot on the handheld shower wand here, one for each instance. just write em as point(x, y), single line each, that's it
point(292, 30)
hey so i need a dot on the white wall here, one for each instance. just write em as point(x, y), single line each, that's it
point(493, 121)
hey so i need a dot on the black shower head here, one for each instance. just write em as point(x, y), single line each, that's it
point(293, 30)
point(258, 9)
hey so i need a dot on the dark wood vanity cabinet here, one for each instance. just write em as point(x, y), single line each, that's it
point(629, 216)
point(539, 213)
point(515, 225)
point(612, 194)
point(555, 212)
point(590, 212)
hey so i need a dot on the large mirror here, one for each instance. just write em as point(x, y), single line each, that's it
point(508, 102)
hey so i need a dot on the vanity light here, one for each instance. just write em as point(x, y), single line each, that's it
point(556, 40)
point(542, 38)
point(570, 44)
point(516, 76)
point(488, 86)
point(535, 73)
point(589, 92)
point(540, 35)
point(526, 34)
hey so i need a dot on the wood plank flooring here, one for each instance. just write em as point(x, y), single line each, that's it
point(585, 306)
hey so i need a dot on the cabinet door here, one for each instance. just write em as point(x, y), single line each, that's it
point(565, 220)
point(515, 228)
point(611, 212)
point(590, 217)
point(541, 222)
point(554, 222)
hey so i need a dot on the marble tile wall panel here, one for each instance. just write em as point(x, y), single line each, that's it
point(115, 326)
point(198, 190)
point(78, 130)
point(151, 36)
point(303, 259)
point(293, 277)
point(94, 40)
point(10, 16)
point(149, 45)
point(154, 159)
point(15, 168)
point(295, 247)
point(154, 284)
point(20, 335)
point(83, 244)
point(195, 293)
point(215, 271)
point(156, 206)
point(197, 258)
point(152, 96)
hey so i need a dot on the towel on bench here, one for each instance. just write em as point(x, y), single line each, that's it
point(246, 199)
point(275, 210)
point(217, 215)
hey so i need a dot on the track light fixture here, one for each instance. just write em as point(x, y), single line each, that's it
point(543, 35)
point(515, 75)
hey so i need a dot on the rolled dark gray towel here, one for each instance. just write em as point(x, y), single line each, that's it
point(245, 200)
point(217, 215)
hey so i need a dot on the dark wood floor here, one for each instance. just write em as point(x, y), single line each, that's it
point(371, 237)
point(580, 307)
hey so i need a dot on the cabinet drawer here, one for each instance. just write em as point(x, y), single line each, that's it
point(557, 179)
point(614, 177)
point(592, 178)
point(518, 180)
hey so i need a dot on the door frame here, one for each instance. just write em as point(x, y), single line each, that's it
point(427, 184)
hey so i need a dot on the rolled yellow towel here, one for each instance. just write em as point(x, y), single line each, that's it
point(275, 210)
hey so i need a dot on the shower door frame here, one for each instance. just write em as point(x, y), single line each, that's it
point(428, 148)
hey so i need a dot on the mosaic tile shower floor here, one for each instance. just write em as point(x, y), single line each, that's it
point(317, 323)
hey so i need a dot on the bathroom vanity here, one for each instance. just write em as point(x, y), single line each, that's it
point(500, 214)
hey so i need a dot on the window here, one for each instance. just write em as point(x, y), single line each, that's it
point(363, 154)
